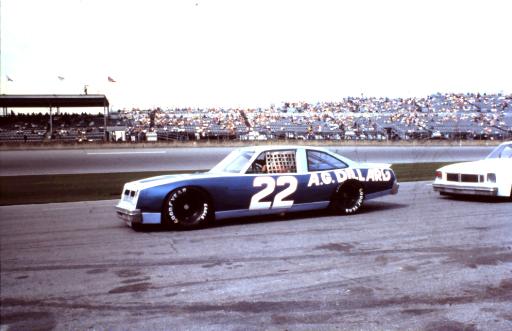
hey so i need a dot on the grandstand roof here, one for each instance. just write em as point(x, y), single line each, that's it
point(53, 100)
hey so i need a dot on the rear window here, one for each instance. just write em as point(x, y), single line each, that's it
point(319, 161)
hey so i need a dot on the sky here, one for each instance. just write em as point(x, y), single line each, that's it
point(238, 53)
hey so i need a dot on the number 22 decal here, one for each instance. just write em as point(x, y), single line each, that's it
point(270, 185)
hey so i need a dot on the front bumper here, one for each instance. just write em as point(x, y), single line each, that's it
point(130, 216)
point(465, 190)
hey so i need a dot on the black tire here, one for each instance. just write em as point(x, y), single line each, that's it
point(137, 227)
point(348, 198)
point(187, 207)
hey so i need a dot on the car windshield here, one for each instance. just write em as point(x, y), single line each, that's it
point(501, 152)
point(234, 162)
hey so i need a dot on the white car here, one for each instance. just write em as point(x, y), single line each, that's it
point(491, 176)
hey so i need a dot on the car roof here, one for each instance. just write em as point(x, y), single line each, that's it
point(261, 148)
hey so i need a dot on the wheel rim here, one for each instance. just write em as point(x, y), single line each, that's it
point(350, 198)
point(187, 207)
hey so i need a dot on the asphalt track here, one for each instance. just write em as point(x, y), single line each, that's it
point(414, 261)
point(75, 161)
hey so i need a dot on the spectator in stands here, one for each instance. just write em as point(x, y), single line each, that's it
point(354, 117)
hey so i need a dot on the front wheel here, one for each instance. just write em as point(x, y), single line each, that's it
point(348, 198)
point(187, 207)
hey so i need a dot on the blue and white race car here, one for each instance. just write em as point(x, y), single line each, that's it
point(256, 181)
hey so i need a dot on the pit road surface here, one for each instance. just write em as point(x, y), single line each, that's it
point(76, 161)
point(414, 261)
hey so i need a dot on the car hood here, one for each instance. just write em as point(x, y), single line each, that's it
point(167, 179)
point(481, 166)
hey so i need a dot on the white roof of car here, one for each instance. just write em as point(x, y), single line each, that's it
point(261, 148)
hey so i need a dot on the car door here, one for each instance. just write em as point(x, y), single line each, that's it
point(270, 183)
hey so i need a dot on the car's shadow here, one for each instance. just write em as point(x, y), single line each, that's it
point(375, 206)
point(476, 198)
point(368, 208)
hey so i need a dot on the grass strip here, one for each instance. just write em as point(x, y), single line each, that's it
point(85, 187)
point(411, 172)
point(70, 187)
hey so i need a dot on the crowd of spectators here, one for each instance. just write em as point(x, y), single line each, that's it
point(64, 127)
point(186, 123)
point(439, 116)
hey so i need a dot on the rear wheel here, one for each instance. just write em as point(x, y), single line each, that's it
point(187, 207)
point(348, 198)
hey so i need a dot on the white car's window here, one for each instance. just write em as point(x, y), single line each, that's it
point(319, 161)
point(507, 152)
point(501, 152)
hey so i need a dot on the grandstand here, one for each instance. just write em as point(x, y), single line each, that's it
point(439, 116)
point(52, 127)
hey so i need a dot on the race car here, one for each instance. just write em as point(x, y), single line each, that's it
point(491, 176)
point(256, 181)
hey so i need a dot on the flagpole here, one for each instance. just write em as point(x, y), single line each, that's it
point(9, 80)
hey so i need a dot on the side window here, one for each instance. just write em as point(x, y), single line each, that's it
point(259, 166)
point(281, 162)
point(318, 161)
point(274, 162)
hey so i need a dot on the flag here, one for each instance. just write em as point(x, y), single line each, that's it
point(9, 79)
point(110, 79)
point(60, 77)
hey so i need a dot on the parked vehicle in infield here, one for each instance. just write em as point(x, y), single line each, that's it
point(491, 176)
point(256, 181)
